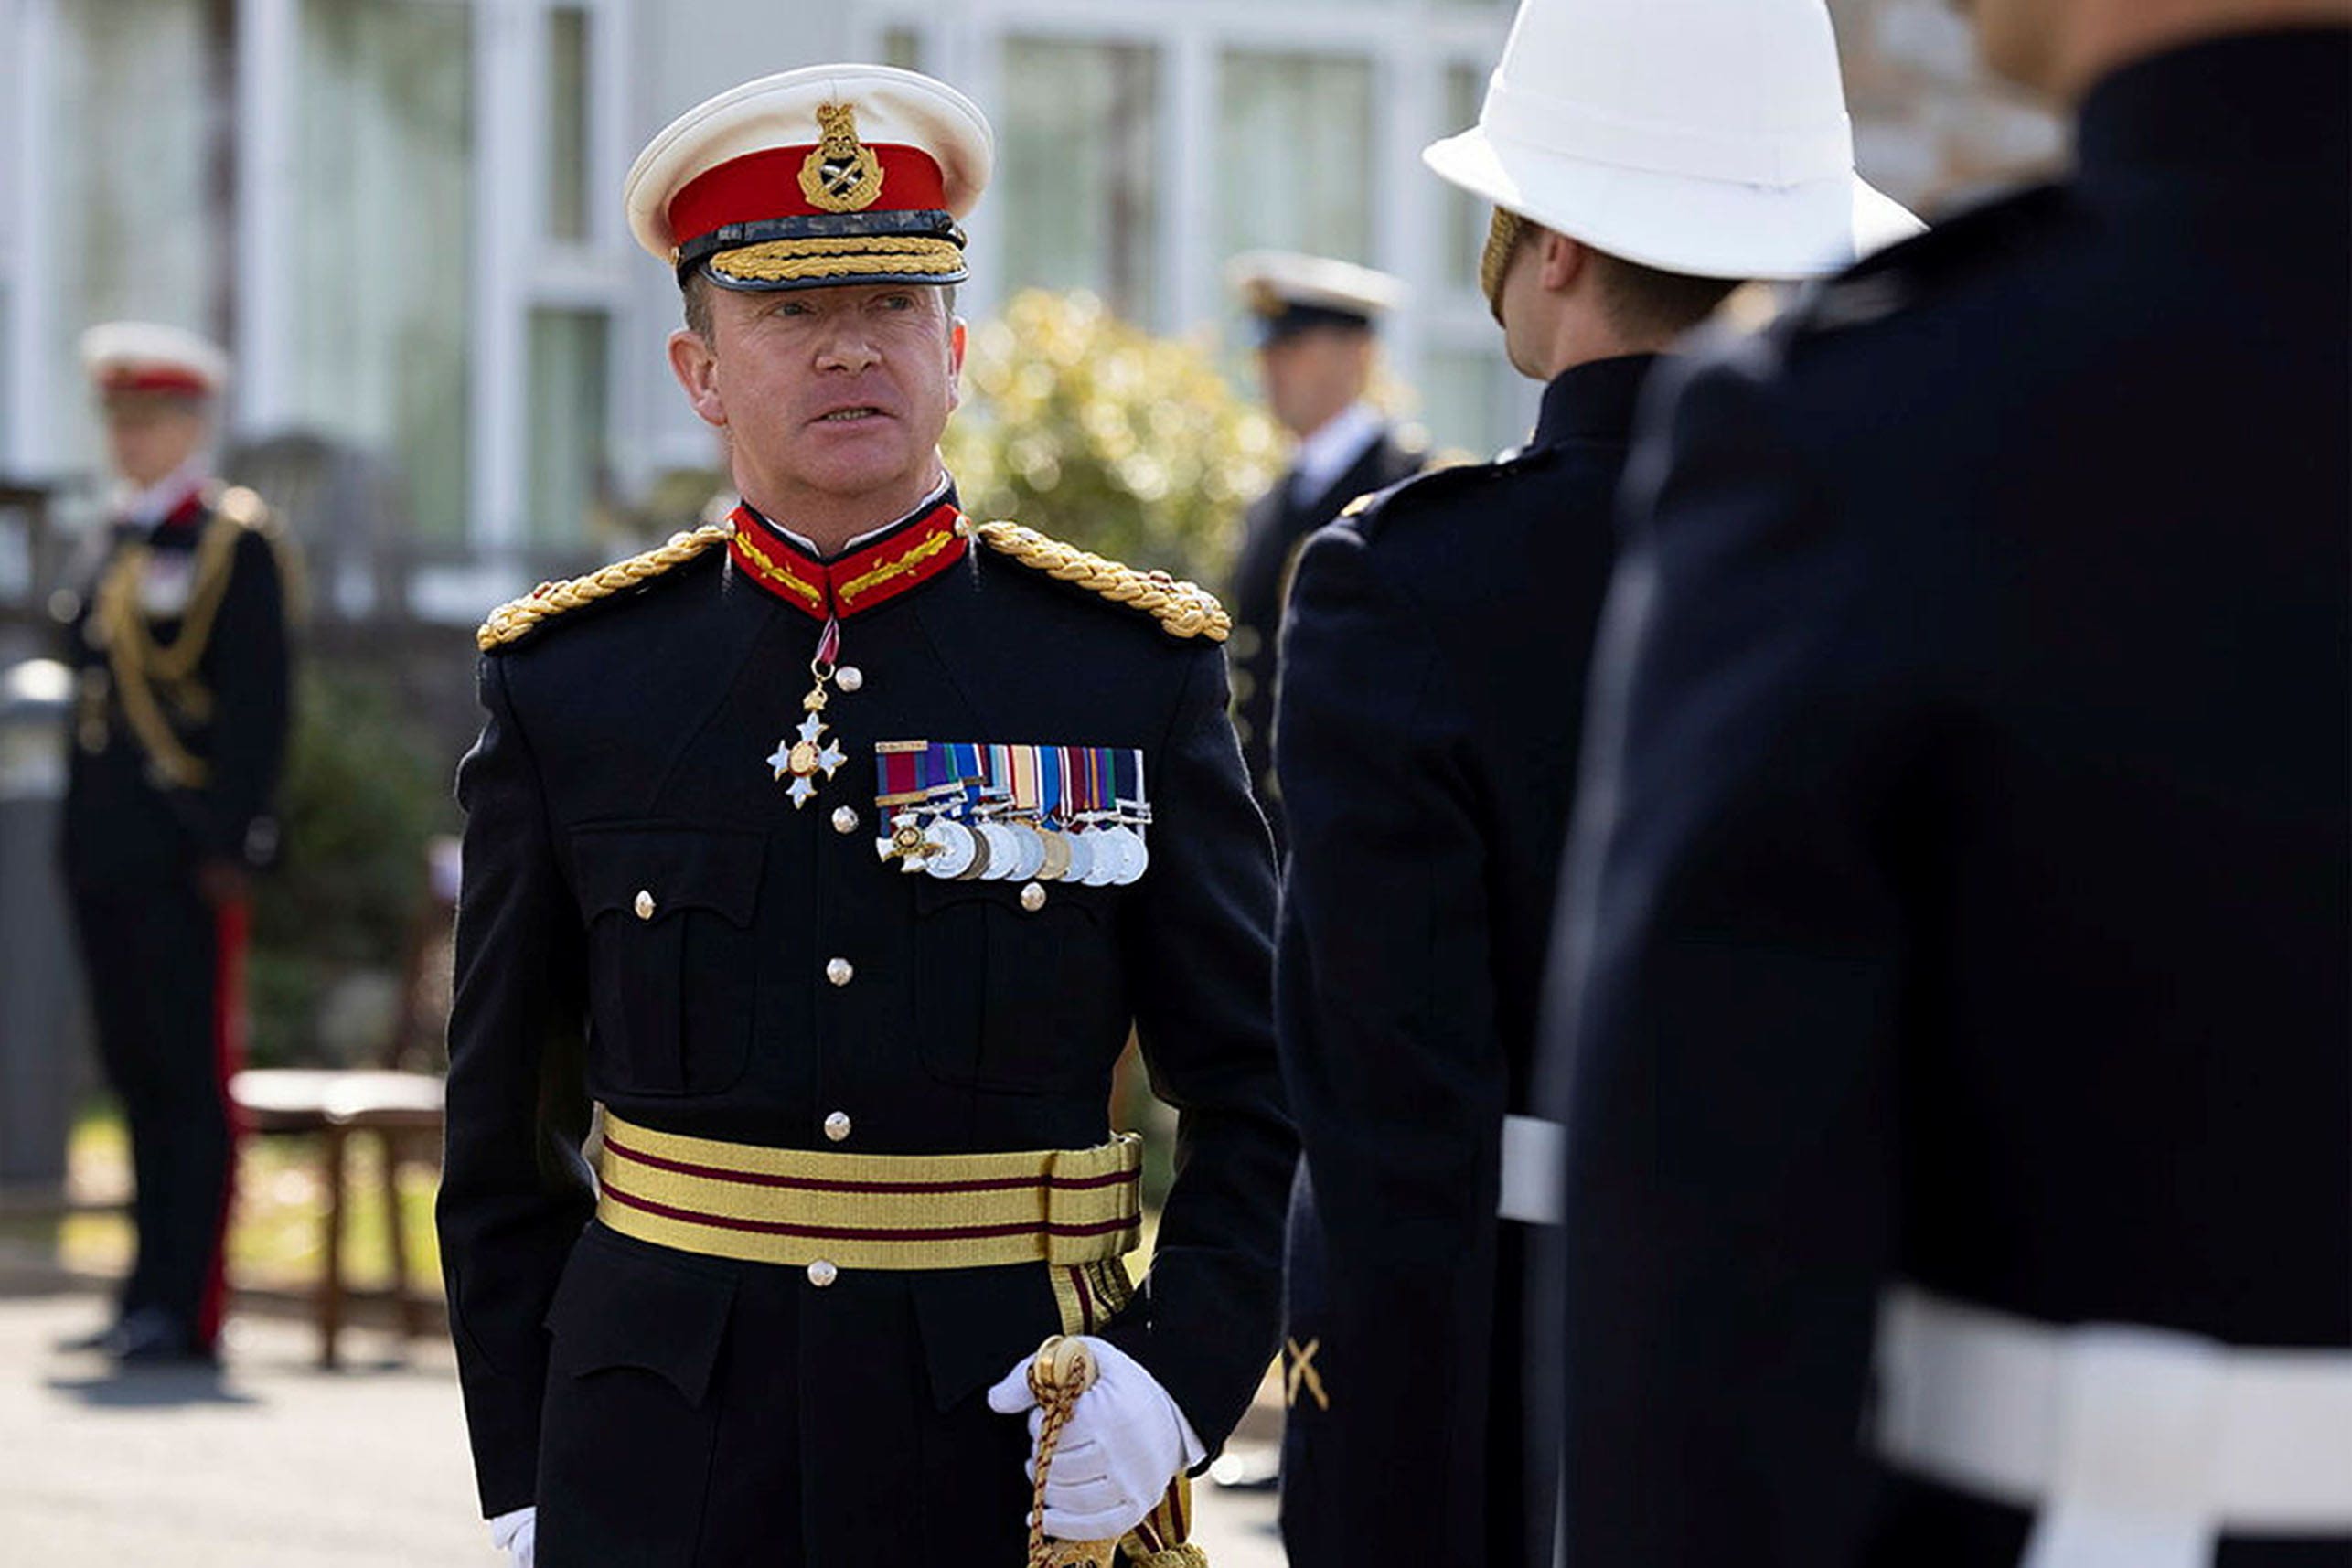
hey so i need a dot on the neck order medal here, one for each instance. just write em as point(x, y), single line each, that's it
point(808, 750)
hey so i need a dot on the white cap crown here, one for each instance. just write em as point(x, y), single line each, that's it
point(149, 357)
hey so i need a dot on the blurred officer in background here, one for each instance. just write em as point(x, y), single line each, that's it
point(1433, 678)
point(1956, 947)
point(848, 971)
point(178, 638)
point(1318, 323)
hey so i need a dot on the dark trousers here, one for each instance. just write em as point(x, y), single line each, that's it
point(1921, 1525)
point(707, 1413)
point(164, 970)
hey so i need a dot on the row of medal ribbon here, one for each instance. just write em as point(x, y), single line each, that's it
point(974, 811)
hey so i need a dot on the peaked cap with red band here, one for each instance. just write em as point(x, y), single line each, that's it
point(831, 174)
point(147, 356)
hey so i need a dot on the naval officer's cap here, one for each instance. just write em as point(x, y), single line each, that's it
point(829, 175)
point(1289, 293)
point(146, 358)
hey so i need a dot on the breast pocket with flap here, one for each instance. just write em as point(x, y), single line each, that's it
point(672, 956)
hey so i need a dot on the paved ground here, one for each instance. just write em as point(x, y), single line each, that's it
point(276, 1465)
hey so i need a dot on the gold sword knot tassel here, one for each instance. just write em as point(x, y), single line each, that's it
point(1063, 1369)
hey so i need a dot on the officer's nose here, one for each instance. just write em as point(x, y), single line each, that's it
point(848, 346)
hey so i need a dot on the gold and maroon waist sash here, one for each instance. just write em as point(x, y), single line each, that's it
point(804, 1208)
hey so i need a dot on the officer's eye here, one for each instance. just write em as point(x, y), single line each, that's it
point(898, 301)
point(794, 308)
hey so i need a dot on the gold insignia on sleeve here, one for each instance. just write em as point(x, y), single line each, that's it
point(1183, 609)
point(842, 174)
point(1302, 1374)
point(518, 616)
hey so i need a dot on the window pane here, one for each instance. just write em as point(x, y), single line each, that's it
point(382, 301)
point(1076, 164)
point(1294, 153)
point(568, 388)
point(1465, 215)
point(567, 122)
point(902, 47)
point(136, 232)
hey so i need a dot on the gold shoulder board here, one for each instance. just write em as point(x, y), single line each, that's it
point(518, 616)
point(1183, 609)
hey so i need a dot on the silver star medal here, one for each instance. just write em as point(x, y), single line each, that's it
point(804, 757)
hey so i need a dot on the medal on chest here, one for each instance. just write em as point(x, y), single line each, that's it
point(972, 812)
point(810, 750)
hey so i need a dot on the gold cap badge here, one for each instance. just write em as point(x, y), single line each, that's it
point(841, 174)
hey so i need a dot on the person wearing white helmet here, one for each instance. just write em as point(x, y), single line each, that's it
point(1955, 978)
point(1643, 157)
point(179, 634)
point(834, 852)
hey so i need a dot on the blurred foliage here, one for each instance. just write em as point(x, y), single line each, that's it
point(357, 807)
point(1097, 432)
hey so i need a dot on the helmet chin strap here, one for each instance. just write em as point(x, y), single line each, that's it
point(1502, 236)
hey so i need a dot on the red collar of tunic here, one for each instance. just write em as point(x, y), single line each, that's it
point(193, 509)
point(902, 560)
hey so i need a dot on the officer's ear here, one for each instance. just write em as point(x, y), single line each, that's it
point(695, 365)
point(1563, 260)
point(955, 363)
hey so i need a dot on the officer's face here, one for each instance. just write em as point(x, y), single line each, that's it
point(842, 391)
point(1312, 376)
point(151, 434)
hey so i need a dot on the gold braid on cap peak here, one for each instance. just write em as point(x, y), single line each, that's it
point(518, 616)
point(1183, 609)
point(794, 260)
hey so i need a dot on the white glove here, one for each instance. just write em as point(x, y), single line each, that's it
point(516, 1535)
point(1125, 1442)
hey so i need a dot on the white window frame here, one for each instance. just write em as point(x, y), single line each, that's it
point(1409, 44)
point(514, 266)
point(519, 268)
point(28, 439)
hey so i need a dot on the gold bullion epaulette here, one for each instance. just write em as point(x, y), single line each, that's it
point(518, 616)
point(244, 508)
point(1183, 609)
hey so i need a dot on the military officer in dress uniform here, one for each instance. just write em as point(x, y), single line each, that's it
point(833, 851)
point(1317, 321)
point(1434, 667)
point(178, 641)
point(1957, 946)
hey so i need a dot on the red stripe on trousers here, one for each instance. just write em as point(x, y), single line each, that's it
point(231, 926)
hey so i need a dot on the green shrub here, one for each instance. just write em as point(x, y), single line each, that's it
point(357, 807)
point(1096, 432)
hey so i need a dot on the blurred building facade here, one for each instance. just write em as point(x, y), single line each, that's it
point(403, 214)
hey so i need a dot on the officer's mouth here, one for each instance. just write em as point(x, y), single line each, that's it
point(853, 414)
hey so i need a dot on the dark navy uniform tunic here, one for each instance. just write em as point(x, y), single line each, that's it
point(155, 952)
point(663, 1407)
point(1434, 672)
point(1961, 889)
point(1276, 527)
